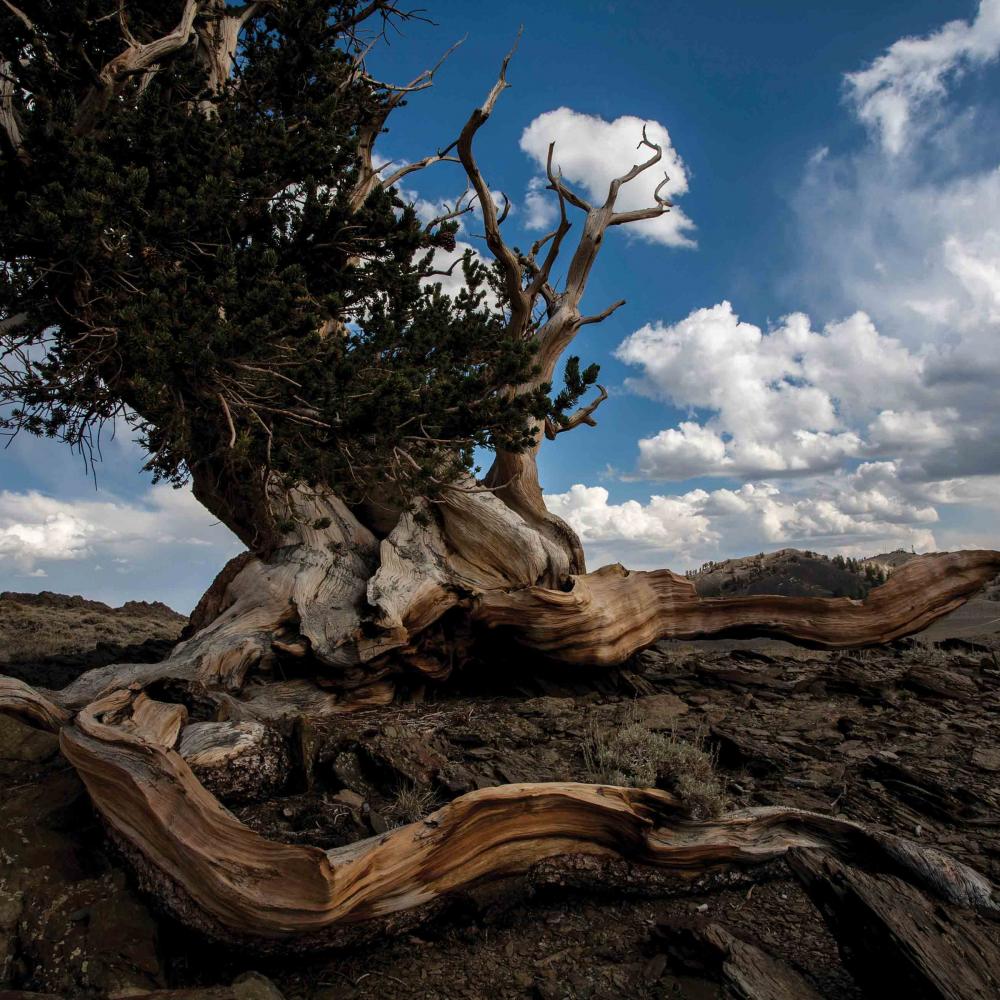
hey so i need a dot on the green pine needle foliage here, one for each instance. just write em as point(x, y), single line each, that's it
point(188, 261)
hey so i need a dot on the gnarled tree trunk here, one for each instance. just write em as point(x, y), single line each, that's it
point(359, 601)
point(353, 610)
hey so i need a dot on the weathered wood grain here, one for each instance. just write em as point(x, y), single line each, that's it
point(605, 616)
point(894, 940)
point(258, 889)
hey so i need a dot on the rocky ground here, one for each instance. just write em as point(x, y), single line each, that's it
point(906, 738)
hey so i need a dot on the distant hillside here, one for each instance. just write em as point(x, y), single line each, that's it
point(794, 573)
point(889, 561)
point(36, 626)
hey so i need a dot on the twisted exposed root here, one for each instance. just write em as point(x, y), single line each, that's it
point(607, 615)
point(222, 877)
point(256, 889)
point(601, 619)
point(23, 701)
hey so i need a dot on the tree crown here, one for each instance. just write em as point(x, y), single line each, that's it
point(191, 241)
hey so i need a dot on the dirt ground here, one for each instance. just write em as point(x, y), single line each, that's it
point(906, 738)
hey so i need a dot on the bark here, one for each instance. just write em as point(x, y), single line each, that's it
point(10, 125)
point(133, 62)
point(352, 610)
point(605, 616)
point(356, 608)
point(514, 478)
point(744, 969)
point(235, 761)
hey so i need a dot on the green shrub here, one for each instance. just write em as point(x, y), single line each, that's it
point(635, 756)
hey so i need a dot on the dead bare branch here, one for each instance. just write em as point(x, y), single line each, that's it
point(505, 211)
point(520, 304)
point(9, 121)
point(409, 168)
point(218, 36)
point(661, 206)
point(639, 215)
point(368, 174)
point(136, 58)
point(229, 420)
point(540, 280)
point(345, 25)
point(637, 168)
point(564, 323)
point(603, 314)
point(447, 273)
point(659, 187)
point(557, 184)
point(20, 15)
point(451, 213)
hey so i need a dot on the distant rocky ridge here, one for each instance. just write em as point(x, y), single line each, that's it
point(50, 599)
point(801, 573)
point(41, 626)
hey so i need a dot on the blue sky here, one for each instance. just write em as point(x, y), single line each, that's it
point(841, 168)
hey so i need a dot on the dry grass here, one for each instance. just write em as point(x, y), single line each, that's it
point(634, 755)
point(410, 804)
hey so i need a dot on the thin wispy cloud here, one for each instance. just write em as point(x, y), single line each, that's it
point(900, 93)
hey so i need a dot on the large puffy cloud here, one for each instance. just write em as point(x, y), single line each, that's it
point(35, 528)
point(790, 401)
point(667, 523)
point(112, 548)
point(860, 513)
point(919, 249)
point(900, 90)
point(30, 533)
point(914, 430)
point(891, 478)
point(591, 152)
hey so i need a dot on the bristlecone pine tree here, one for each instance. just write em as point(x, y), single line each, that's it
point(197, 240)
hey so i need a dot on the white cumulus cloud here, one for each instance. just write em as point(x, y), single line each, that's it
point(860, 513)
point(39, 532)
point(918, 249)
point(591, 152)
point(791, 400)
